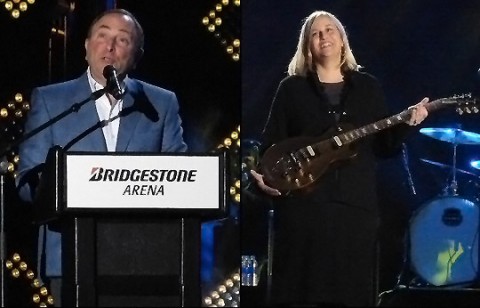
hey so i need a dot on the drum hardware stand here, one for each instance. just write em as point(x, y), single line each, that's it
point(270, 240)
point(407, 169)
point(452, 188)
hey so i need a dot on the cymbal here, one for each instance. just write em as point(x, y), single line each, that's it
point(445, 166)
point(475, 164)
point(452, 135)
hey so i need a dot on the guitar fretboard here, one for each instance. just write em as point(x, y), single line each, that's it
point(355, 134)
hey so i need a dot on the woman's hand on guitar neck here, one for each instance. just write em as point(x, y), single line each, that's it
point(267, 189)
point(419, 112)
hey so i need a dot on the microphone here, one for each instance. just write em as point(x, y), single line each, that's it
point(113, 85)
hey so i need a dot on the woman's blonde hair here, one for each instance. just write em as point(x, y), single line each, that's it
point(301, 62)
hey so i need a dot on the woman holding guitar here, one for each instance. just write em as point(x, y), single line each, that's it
point(325, 236)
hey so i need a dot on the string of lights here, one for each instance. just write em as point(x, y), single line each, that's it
point(226, 294)
point(11, 126)
point(232, 143)
point(224, 22)
point(16, 7)
point(19, 268)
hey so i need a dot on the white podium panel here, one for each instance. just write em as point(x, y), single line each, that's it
point(132, 183)
point(143, 181)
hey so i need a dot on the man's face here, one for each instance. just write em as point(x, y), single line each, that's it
point(112, 41)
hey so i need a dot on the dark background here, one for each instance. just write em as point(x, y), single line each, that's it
point(180, 55)
point(416, 49)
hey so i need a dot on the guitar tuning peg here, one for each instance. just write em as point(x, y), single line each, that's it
point(475, 109)
point(459, 111)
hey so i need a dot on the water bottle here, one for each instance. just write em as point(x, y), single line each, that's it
point(254, 266)
point(249, 270)
point(246, 270)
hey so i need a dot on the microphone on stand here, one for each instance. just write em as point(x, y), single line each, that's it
point(113, 85)
point(405, 165)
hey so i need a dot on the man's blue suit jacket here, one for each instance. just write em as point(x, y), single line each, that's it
point(149, 122)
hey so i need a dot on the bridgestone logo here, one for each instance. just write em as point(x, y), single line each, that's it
point(99, 174)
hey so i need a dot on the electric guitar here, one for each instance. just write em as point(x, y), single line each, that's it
point(296, 163)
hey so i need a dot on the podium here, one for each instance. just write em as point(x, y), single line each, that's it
point(130, 224)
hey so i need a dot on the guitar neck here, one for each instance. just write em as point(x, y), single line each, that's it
point(355, 134)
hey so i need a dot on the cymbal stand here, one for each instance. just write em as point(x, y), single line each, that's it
point(452, 188)
point(271, 236)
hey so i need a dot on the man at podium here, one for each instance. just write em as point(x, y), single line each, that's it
point(124, 115)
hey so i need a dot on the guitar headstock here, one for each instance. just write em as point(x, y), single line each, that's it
point(465, 103)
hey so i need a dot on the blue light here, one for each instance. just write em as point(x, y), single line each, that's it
point(475, 164)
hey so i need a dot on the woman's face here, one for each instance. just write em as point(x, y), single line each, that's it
point(325, 41)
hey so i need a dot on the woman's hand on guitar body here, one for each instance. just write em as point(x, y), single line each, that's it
point(419, 112)
point(267, 189)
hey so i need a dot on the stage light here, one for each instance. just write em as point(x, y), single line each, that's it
point(18, 97)
point(226, 294)
point(211, 14)
point(11, 128)
point(9, 5)
point(224, 23)
point(232, 144)
point(19, 268)
point(16, 7)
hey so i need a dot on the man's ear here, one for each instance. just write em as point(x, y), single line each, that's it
point(139, 55)
point(86, 45)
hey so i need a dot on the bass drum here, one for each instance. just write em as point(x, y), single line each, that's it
point(444, 241)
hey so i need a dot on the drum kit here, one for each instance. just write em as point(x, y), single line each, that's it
point(444, 233)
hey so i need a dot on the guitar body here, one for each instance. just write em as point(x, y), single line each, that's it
point(289, 166)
